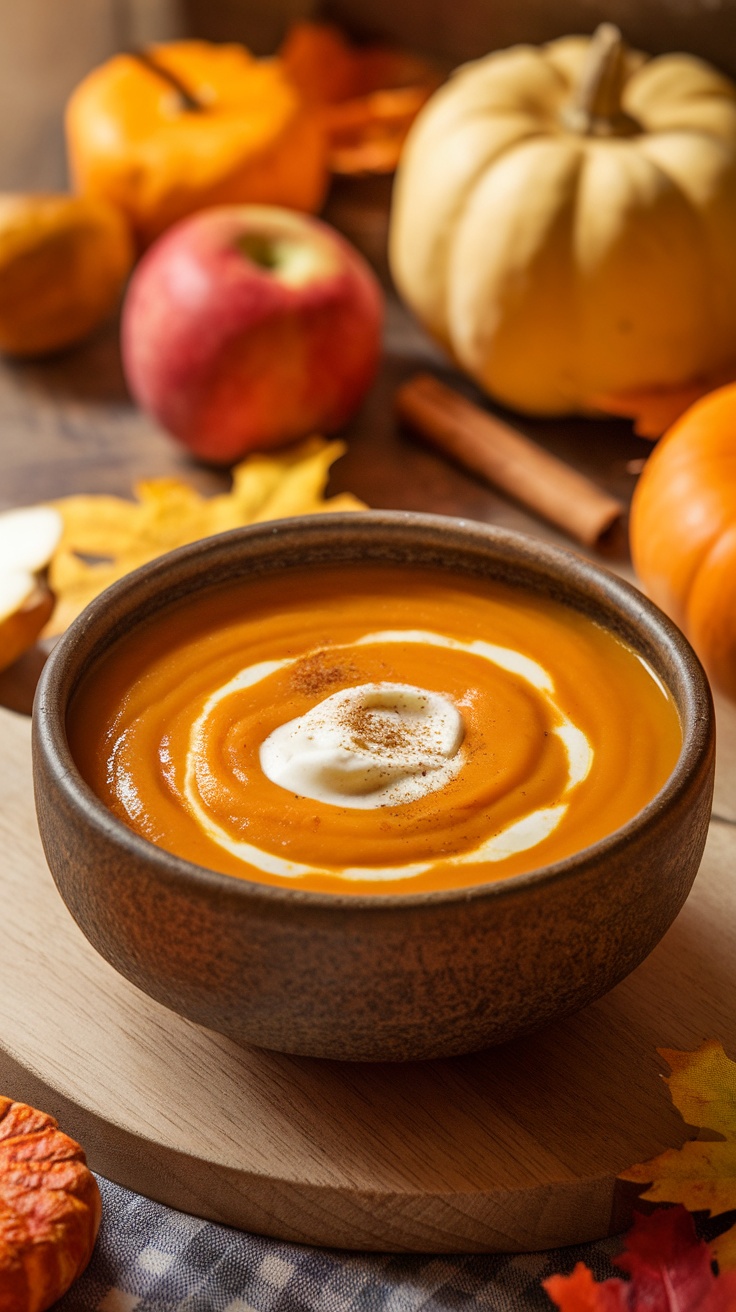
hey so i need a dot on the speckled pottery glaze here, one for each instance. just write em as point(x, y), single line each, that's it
point(378, 978)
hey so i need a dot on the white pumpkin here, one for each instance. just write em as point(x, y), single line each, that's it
point(564, 221)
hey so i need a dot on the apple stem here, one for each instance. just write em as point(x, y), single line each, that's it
point(189, 102)
point(261, 250)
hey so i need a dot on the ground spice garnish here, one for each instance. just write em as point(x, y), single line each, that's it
point(372, 729)
point(320, 671)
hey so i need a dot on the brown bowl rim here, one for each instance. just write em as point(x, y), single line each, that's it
point(698, 735)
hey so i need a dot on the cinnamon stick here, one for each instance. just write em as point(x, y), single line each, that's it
point(487, 446)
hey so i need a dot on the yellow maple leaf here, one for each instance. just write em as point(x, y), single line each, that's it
point(106, 537)
point(702, 1174)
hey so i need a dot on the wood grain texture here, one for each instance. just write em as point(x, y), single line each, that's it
point(514, 1149)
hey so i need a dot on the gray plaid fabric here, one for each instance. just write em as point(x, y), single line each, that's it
point(151, 1259)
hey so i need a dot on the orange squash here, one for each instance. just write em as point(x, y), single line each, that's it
point(49, 1209)
point(63, 264)
point(683, 530)
point(182, 126)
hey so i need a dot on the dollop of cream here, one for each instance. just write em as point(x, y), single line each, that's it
point(378, 744)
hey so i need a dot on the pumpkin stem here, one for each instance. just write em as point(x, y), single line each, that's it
point(595, 109)
point(188, 101)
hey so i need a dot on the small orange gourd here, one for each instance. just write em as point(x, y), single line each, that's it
point(63, 264)
point(172, 129)
point(683, 530)
point(49, 1209)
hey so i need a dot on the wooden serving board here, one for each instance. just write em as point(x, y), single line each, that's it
point(513, 1149)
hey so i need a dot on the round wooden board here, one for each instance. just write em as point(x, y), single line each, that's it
point(513, 1149)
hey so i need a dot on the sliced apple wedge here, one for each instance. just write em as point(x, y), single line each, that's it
point(28, 539)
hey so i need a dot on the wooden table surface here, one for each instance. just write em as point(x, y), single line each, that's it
point(68, 425)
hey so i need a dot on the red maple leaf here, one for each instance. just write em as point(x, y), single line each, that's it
point(669, 1267)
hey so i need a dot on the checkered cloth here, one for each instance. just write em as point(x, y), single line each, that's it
point(151, 1259)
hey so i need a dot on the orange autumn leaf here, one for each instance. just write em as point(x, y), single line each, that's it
point(669, 1268)
point(327, 68)
point(702, 1174)
point(581, 1292)
point(655, 410)
point(368, 97)
point(320, 62)
point(368, 132)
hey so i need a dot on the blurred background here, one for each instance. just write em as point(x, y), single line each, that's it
point(46, 46)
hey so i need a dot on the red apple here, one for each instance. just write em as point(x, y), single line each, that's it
point(245, 327)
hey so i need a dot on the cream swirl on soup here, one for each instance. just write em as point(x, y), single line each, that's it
point(307, 733)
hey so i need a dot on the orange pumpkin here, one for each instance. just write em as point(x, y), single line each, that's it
point(181, 126)
point(49, 1209)
point(63, 264)
point(683, 530)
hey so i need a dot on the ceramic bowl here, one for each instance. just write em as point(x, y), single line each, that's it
point(373, 977)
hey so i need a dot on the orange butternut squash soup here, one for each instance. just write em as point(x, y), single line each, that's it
point(373, 729)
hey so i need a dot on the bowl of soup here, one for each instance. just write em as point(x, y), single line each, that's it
point(375, 786)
